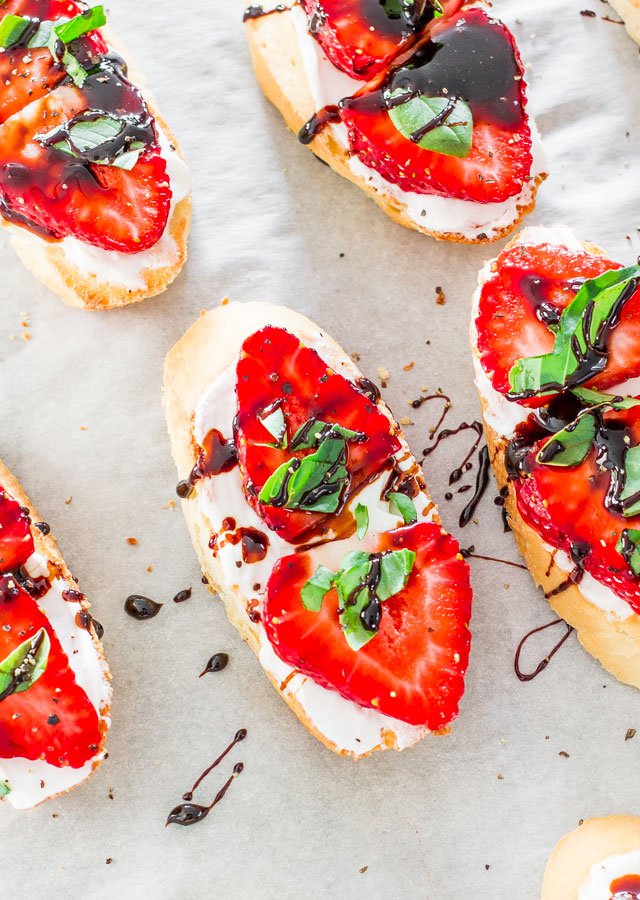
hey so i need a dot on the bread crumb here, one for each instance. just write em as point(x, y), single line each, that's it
point(440, 296)
point(149, 568)
point(133, 541)
point(408, 367)
point(405, 420)
point(68, 500)
point(355, 356)
point(383, 375)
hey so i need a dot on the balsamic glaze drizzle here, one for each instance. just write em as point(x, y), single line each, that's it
point(141, 608)
point(189, 813)
point(524, 676)
point(482, 482)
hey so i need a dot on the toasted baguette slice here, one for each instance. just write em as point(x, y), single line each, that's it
point(612, 640)
point(592, 843)
point(209, 349)
point(629, 12)
point(279, 67)
point(30, 782)
point(134, 278)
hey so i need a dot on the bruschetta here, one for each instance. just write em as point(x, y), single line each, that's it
point(629, 12)
point(422, 105)
point(600, 860)
point(555, 336)
point(55, 694)
point(93, 187)
point(312, 522)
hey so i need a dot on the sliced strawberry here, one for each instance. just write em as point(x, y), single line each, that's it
point(26, 75)
point(566, 507)
point(16, 543)
point(53, 719)
point(52, 192)
point(529, 287)
point(414, 667)
point(474, 58)
point(361, 37)
point(276, 370)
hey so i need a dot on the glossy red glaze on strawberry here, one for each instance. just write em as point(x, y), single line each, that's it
point(26, 75)
point(534, 282)
point(276, 368)
point(414, 667)
point(566, 507)
point(54, 719)
point(361, 37)
point(471, 56)
point(52, 192)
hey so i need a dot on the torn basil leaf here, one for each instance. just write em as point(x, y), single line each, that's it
point(85, 137)
point(581, 343)
point(24, 665)
point(314, 591)
point(440, 124)
point(314, 483)
point(629, 547)
point(361, 515)
point(404, 506)
point(275, 424)
point(571, 445)
point(4, 789)
point(614, 401)
point(62, 35)
point(315, 430)
point(12, 28)
point(630, 495)
point(363, 582)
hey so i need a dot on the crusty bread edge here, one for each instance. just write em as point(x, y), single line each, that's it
point(47, 262)
point(629, 12)
point(613, 641)
point(279, 70)
point(207, 348)
point(47, 547)
point(576, 852)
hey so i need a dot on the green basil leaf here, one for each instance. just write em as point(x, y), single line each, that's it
point(126, 160)
point(395, 568)
point(571, 445)
point(24, 665)
point(314, 591)
point(362, 520)
point(631, 482)
point(275, 424)
point(4, 789)
point(74, 70)
point(91, 134)
point(395, 8)
point(314, 483)
point(11, 30)
point(404, 506)
point(82, 24)
point(315, 430)
point(614, 401)
point(578, 327)
point(453, 137)
point(629, 546)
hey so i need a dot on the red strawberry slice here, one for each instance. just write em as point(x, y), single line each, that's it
point(57, 195)
point(470, 56)
point(361, 37)
point(566, 507)
point(54, 719)
point(276, 370)
point(414, 667)
point(26, 75)
point(16, 542)
point(530, 286)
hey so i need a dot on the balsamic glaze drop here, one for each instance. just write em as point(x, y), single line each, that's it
point(139, 607)
point(181, 596)
point(216, 663)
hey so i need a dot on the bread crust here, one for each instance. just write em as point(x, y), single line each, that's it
point(46, 260)
point(613, 641)
point(279, 69)
point(576, 852)
point(629, 12)
point(206, 350)
point(46, 546)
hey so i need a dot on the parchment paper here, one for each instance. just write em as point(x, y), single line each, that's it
point(474, 814)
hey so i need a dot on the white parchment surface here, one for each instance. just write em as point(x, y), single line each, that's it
point(474, 814)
